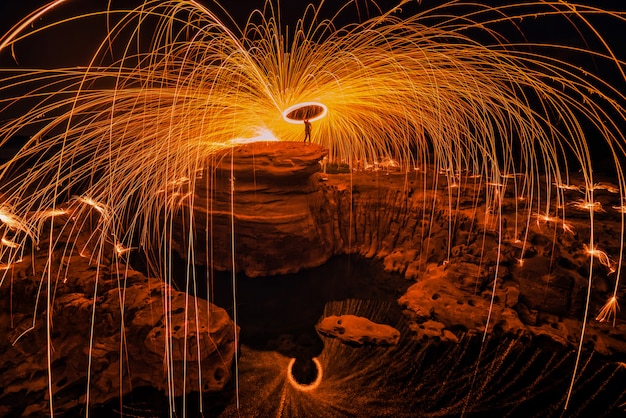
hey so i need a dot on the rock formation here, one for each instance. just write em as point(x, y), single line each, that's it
point(289, 215)
point(358, 330)
point(471, 272)
point(274, 199)
point(109, 326)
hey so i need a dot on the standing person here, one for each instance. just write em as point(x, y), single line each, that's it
point(307, 130)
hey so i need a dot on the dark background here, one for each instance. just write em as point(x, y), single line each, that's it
point(82, 36)
point(73, 44)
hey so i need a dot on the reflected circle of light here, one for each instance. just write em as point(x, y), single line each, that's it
point(305, 387)
point(318, 109)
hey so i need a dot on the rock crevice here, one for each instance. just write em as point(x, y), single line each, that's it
point(290, 214)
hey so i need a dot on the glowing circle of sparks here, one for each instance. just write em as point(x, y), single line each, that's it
point(400, 89)
point(301, 386)
point(312, 111)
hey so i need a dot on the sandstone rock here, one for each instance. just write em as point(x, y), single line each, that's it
point(433, 329)
point(116, 333)
point(511, 296)
point(438, 299)
point(358, 330)
point(548, 287)
point(287, 219)
point(274, 201)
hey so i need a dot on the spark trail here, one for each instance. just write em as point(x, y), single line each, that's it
point(173, 83)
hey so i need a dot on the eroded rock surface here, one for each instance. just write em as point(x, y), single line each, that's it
point(445, 236)
point(108, 333)
point(358, 330)
point(520, 273)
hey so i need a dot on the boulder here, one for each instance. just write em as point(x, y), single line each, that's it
point(267, 194)
point(358, 330)
point(109, 329)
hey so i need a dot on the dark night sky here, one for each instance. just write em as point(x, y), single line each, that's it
point(77, 40)
point(74, 45)
point(60, 48)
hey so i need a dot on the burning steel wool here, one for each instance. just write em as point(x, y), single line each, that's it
point(458, 91)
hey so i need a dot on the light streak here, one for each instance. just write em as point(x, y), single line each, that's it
point(605, 186)
point(9, 243)
point(549, 219)
point(91, 202)
point(14, 222)
point(302, 387)
point(601, 255)
point(51, 213)
point(620, 209)
point(120, 249)
point(588, 206)
point(128, 133)
point(608, 311)
point(293, 113)
point(567, 227)
point(545, 218)
point(572, 187)
point(262, 135)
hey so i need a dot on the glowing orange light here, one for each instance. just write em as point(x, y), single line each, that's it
point(9, 265)
point(313, 111)
point(121, 249)
point(9, 243)
point(567, 227)
point(609, 310)
point(605, 186)
point(564, 186)
point(305, 387)
point(602, 256)
point(588, 206)
point(384, 88)
point(52, 213)
point(91, 202)
point(262, 135)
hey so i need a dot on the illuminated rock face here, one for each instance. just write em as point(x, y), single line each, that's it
point(354, 329)
point(437, 301)
point(288, 216)
point(129, 351)
point(273, 206)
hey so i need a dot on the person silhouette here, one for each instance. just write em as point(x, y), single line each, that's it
point(307, 130)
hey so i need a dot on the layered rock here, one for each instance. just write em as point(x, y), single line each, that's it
point(472, 271)
point(460, 241)
point(287, 216)
point(539, 269)
point(265, 192)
